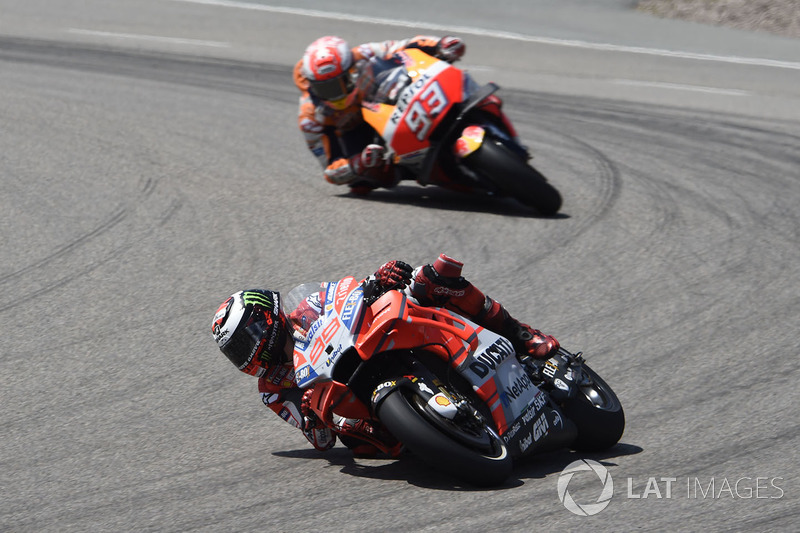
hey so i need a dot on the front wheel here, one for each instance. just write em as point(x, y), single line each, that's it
point(515, 177)
point(597, 412)
point(464, 447)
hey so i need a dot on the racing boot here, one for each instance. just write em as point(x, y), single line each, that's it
point(441, 284)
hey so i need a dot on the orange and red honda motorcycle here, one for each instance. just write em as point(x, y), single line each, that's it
point(453, 393)
point(441, 127)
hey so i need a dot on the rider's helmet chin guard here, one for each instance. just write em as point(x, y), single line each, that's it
point(250, 328)
point(330, 69)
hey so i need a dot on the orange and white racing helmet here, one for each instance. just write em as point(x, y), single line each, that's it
point(329, 67)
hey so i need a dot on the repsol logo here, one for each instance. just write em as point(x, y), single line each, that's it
point(407, 96)
point(491, 357)
point(513, 391)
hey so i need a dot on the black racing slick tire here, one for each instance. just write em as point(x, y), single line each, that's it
point(515, 177)
point(597, 413)
point(478, 457)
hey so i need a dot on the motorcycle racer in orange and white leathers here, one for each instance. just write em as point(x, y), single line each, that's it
point(330, 107)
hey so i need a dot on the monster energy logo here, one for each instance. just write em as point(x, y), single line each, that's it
point(257, 298)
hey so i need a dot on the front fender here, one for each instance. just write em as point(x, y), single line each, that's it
point(421, 382)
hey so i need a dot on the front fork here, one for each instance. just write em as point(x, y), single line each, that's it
point(561, 375)
point(424, 383)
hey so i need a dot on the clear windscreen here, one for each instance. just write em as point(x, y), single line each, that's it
point(298, 294)
point(382, 80)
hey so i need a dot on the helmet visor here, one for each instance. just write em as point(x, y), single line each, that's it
point(245, 341)
point(334, 89)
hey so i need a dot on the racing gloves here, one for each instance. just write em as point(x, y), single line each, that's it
point(347, 170)
point(391, 275)
point(394, 275)
point(450, 49)
point(320, 436)
point(361, 436)
point(370, 157)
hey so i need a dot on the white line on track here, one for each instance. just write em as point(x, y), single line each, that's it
point(465, 30)
point(680, 87)
point(155, 38)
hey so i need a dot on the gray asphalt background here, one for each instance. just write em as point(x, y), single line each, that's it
point(144, 180)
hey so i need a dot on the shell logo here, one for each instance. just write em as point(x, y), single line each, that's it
point(442, 400)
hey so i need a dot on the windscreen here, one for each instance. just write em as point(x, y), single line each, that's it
point(383, 80)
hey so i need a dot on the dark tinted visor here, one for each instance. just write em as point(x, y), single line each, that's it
point(242, 345)
point(334, 89)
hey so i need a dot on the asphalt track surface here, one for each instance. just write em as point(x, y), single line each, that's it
point(146, 178)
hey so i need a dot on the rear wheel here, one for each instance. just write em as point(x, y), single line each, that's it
point(597, 412)
point(515, 177)
point(464, 447)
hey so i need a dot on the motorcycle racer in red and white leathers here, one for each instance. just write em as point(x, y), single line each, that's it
point(253, 332)
point(330, 108)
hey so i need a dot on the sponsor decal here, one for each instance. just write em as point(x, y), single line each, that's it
point(304, 372)
point(269, 397)
point(561, 385)
point(350, 307)
point(443, 406)
point(407, 96)
point(422, 386)
point(442, 400)
point(515, 389)
point(278, 374)
point(313, 330)
point(526, 442)
point(385, 384)
point(221, 336)
point(539, 401)
point(342, 289)
point(491, 357)
point(550, 369)
point(446, 291)
point(511, 432)
point(540, 428)
point(382, 386)
point(300, 344)
point(470, 140)
point(330, 291)
point(334, 354)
